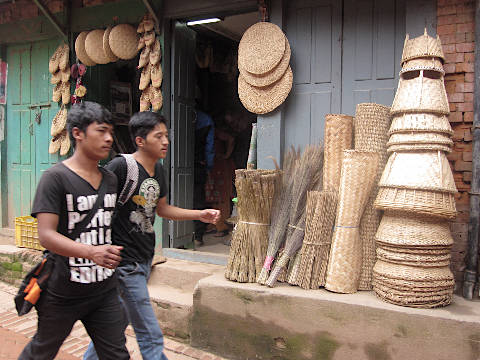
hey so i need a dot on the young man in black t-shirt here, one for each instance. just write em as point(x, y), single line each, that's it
point(83, 284)
point(133, 228)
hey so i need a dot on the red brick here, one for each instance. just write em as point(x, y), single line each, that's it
point(468, 117)
point(470, 37)
point(452, 107)
point(470, 57)
point(447, 10)
point(448, 49)
point(467, 156)
point(55, 6)
point(454, 58)
point(465, 47)
point(446, 29)
point(470, 78)
point(449, 68)
point(464, 87)
point(442, 3)
point(468, 7)
point(454, 156)
point(464, 18)
point(464, 67)
point(468, 135)
point(455, 117)
point(460, 37)
point(467, 176)
point(465, 106)
point(456, 97)
point(447, 39)
point(446, 20)
point(458, 133)
point(469, 97)
point(467, 27)
point(463, 165)
point(450, 86)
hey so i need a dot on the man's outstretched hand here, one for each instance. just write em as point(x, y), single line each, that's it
point(210, 216)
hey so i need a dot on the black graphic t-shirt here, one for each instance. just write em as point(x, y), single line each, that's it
point(133, 224)
point(61, 191)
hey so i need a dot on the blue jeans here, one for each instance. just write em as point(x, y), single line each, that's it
point(132, 287)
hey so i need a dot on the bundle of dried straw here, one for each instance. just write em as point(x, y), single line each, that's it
point(255, 189)
point(308, 176)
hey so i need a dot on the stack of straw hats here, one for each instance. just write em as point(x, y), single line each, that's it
point(59, 67)
point(266, 77)
point(104, 46)
point(149, 62)
point(417, 188)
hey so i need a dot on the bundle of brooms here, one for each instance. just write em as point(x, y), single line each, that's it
point(280, 213)
point(255, 190)
point(307, 176)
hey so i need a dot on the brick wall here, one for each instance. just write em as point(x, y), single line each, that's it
point(456, 27)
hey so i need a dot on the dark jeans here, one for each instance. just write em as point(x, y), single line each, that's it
point(102, 316)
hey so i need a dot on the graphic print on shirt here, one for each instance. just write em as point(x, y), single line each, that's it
point(146, 202)
point(97, 232)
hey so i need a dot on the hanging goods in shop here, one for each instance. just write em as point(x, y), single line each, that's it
point(55, 144)
point(59, 121)
point(420, 122)
point(308, 176)
point(144, 57)
point(359, 169)
point(371, 124)
point(80, 49)
point(106, 45)
point(94, 47)
point(145, 100)
point(53, 63)
point(156, 98)
point(123, 41)
point(56, 77)
point(320, 219)
point(155, 53)
point(282, 204)
point(145, 77)
point(255, 189)
point(64, 143)
point(156, 75)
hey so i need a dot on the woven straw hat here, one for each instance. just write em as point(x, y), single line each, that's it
point(266, 99)
point(419, 147)
point(422, 46)
point(417, 201)
point(431, 63)
point(422, 93)
point(411, 230)
point(420, 122)
point(123, 41)
point(418, 137)
point(106, 45)
point(80, 49)
point(261, 48)
point(156, 75)
point(94, 47)
point(271, 76)
point(422, 170)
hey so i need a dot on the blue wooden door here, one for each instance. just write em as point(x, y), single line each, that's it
point(29, 92)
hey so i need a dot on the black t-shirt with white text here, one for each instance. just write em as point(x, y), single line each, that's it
point(63, 192)
point(133, 222)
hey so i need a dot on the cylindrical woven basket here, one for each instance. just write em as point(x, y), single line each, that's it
point(359, 169)
point(420, 122)
point(412, 293)
point(419, 148)
point(412, 273)
point(421, 93)
point(418, 170)
point(426, 63)
point(426, 202)
point(427, 302)
point(412, 259)
point(411, 286)
point(417, 249)
point(371, 124)
point(338, 137)
point(418, 137)
point(422, 46)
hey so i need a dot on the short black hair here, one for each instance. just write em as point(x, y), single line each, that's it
point(83, 114)
point(141, 123)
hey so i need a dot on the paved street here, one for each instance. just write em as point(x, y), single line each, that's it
point(15, 333)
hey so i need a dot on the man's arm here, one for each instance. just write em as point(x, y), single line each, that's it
point(171, 212)
point(104, 255)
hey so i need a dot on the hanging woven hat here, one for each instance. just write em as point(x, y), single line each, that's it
point(155, 53)
point(266, 99)
point(411, 230)
point(422, 170)
point(417, 137)
point(64, 143)
point(80, 49)
point(431, 63)
point(261, 48)
point(145, 77)
point(55, 60)
point(271, 76)
point(422, 46)
point(106, 45)
point(56, 77)
point(156, 98)
point(420, 122)
point(94, 47)
point(421, 91)
point(145, 100)
point(64, 55)
point(123, 41)
point(156, 75)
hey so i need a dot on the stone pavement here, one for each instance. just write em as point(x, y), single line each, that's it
point(15, 333)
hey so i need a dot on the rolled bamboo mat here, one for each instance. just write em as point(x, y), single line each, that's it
point(359, 169)
point(371, 125)
point(338, 137)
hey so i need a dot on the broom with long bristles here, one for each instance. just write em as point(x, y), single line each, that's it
point(280, 213)
point(308, 175)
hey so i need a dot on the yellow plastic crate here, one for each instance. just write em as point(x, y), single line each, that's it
point(26, 234)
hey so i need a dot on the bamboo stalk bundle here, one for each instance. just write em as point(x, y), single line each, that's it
point(321, 210)
point(280, 213)
point(255, 189)
point(308, 176)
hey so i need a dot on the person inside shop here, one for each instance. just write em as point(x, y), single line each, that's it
point(132, 228)
point(203, 164)
point(83, 283)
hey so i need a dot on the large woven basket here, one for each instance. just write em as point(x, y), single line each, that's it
point(94, 47)
point(371, 124)
point(412, 273)
point(412, 293)
point(427, 63)
point(426, 302)
point(426, 202)
point(411, 286)
point(412, 259)
point(421, 91)
point(80, 49)
point(420, 122)
point(359, 169)
point(419, 148)
point(123, 41)
point(338, 137)
point(419, 170)
point(422, 46)
point(417, 137)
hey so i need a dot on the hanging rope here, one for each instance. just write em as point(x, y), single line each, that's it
point(262, 9)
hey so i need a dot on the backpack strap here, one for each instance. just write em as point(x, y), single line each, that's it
point(131, 180)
